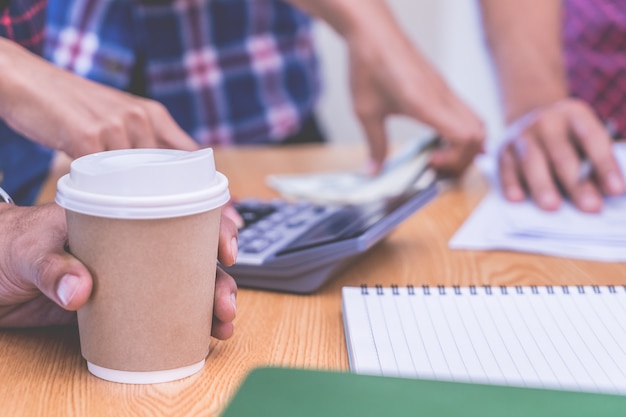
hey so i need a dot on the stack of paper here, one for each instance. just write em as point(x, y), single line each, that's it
point(568, 232)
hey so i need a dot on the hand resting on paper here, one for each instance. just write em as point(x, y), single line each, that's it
point(545, 152)
point(41, 284)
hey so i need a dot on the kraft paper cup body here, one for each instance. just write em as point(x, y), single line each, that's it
point(146, 224)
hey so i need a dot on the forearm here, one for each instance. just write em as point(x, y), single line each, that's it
point(22, 73)
point(374, 39)
point(525, 43)
point(351, 18)
point(11, 75)
point(69, 113)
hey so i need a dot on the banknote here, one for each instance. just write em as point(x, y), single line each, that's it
point(407, 167)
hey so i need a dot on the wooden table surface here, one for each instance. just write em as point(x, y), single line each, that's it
point(43, 373)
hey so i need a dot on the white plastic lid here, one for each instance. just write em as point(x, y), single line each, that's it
point(143, 184)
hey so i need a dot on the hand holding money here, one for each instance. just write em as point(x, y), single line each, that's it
point(407, 167)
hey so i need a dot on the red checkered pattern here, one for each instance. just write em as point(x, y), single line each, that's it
point(23, 21)
point(229, 71)
point(595, 52)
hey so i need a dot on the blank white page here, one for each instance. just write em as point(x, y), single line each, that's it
point(571, 338)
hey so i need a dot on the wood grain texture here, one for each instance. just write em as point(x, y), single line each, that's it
point(43, 374)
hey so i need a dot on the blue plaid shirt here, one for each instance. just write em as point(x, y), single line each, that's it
point(24, 164)
point(229, 71)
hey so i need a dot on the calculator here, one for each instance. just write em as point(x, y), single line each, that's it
point(297, 246)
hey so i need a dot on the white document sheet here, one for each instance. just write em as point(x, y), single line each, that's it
point(568, 232)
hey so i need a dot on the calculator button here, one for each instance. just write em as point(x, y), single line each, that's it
point(264, 225)
point(296, 222)
point(273, 236)
point(247, 233)
point(251, 212)
point(256, 245)
point(290, 210)
point(277, 217)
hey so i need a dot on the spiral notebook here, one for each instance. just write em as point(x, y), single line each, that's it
point(566, 338)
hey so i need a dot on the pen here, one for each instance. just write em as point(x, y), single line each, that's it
point(586, 168)
point(5, 197)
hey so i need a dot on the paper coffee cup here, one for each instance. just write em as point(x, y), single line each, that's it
point(146, 224)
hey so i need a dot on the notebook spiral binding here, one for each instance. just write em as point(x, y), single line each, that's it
point(490, 290)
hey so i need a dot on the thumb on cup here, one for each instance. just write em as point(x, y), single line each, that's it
point(64, 280)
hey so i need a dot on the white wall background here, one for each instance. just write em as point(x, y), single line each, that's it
point(448, 32)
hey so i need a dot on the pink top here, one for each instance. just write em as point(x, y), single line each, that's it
point(594, 36)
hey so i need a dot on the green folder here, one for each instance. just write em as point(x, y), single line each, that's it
point(285, 392)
